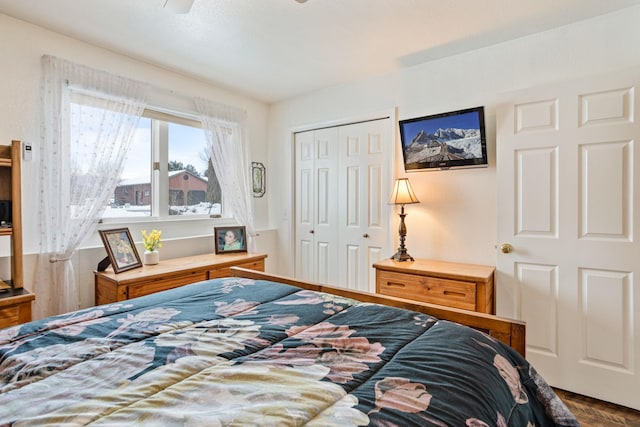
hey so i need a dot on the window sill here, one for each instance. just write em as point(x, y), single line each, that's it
point(178, 228)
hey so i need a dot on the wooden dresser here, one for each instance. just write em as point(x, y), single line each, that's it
point(466, 286)
point(171, 273)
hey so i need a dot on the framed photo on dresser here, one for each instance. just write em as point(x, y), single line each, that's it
point(230, 239)
point(120, 249)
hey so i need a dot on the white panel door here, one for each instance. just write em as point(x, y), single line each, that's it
point(316, 233)
point(305, 206)
point(364, 182)
point(569, 205)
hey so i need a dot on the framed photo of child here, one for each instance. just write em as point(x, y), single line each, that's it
point(120, 249)
point(230, 239)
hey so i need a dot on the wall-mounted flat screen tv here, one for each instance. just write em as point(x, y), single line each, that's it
point(442, 141)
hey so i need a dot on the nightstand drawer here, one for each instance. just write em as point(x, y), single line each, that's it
point(9, 317)
point(15, 307)
point(465, 286)
point(452, 293)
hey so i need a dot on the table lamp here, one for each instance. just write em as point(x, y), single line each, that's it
point(402, 194)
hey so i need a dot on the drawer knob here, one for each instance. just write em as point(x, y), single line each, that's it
point(397, 285)
point(365, 235)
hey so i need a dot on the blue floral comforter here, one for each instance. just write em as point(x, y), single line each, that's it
point(242, 352)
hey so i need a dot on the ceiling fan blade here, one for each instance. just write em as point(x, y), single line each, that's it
point(178, 6)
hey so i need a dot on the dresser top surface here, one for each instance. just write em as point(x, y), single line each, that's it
point(13, 296)
point(426, 267)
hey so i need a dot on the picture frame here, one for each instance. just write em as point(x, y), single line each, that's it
point(230, 239)
point(121, 251)
point(258, 179)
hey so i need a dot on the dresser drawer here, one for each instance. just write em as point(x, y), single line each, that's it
point(146, 288)
point(452, 293)
point(226, 271)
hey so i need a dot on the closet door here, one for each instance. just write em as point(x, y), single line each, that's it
point(363, 212)
point(316, 232)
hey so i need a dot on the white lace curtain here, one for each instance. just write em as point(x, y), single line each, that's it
point(225, 128)
point(78, 170)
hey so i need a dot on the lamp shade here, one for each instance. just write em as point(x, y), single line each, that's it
point(402, 193)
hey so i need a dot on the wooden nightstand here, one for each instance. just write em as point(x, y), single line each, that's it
point(171, 273)
point(466, 286)
point(15, 307)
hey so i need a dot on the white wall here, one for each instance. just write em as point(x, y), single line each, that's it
point(21, 48)
point(456, 219)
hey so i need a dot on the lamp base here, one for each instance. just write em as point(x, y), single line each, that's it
point(402, 255)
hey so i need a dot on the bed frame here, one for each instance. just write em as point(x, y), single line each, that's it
point(510, 332)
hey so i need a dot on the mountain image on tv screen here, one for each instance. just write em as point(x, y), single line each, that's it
point(444, 144)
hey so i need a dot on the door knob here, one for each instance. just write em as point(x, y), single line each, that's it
point(365, 235)
point(505, 248)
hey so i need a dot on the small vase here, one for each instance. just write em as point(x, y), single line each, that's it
point(150, 257)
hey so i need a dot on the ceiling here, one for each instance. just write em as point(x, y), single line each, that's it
point(276, 49)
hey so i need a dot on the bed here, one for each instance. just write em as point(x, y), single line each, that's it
point(258, 349)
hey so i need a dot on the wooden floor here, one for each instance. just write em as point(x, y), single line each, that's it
point(596, 413)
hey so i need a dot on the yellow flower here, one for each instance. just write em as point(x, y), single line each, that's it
point(152, 240)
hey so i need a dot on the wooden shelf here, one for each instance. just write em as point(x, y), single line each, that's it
point(15, 303)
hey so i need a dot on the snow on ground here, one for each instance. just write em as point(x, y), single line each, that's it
point(128, 211)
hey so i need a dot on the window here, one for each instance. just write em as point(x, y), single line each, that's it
point(132, 196)
point(189, 173)
point(168, 172)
